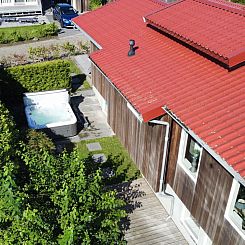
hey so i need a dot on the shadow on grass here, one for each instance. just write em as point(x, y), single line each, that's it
point(117, 179)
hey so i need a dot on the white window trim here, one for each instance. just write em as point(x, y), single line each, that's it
point(181, 157)
point(230, 215)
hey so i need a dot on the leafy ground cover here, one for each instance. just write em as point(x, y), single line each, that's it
point(53, 198)
point(112, 148)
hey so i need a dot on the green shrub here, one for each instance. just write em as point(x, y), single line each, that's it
point(94, 4)
point(43, 76)
point(38, 141)
point(238, 1)
point(8, 135)
point(50, 75)
point(23, 33)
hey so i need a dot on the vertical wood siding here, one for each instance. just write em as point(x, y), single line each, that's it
point(207, 198)
point(144, 142)
point(175, 131)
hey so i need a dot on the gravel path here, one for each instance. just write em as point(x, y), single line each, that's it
point(21, 49)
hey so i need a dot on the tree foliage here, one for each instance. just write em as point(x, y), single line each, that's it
point(239, 1)
point(50, 198)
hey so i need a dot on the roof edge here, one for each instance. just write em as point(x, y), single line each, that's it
point(236, 57)
point(215, 155)
point(232, 60)
point(87, 35)
point(156, 112)
point(228, 6)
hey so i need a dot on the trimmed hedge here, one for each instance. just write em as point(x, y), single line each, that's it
point(24, 33)
point(49, 75)
point(43, 76)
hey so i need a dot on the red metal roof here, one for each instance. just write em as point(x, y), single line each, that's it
point(208, 98)
point(210, 26)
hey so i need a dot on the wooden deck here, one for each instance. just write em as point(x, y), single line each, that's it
point(147, 222)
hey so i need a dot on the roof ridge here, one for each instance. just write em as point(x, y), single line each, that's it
point(225, 5)
point(160, 2)
point(164, 7)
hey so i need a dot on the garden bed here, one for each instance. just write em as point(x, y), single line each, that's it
point(10, 35)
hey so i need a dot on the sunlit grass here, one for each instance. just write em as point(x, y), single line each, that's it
point(111, 146)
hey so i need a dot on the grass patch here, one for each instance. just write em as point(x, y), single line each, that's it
point(24, 33)
point(73, 67)
point(112, 147)
point(86, 85)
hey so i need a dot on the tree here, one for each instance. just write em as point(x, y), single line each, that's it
point(50, 198)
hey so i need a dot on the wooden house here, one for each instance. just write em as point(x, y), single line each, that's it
point(176, 99)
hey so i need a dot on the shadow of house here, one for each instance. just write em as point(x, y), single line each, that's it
point(77, 82)
point(11, 95)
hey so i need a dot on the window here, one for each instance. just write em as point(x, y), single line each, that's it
point(235, 211)
point(189, 155)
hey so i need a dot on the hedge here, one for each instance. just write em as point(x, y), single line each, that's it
point(7, 135)
point(24, 33)
point(50, 75)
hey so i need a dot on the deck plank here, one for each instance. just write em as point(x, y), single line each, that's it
point(147, 222)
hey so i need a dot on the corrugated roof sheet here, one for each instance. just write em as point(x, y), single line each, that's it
point(208, 98)
point(214, 28)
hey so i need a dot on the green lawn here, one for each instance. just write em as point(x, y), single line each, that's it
point(112, 147)
point(74, 68)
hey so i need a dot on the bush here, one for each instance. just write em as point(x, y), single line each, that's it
point(8, 135)
point(239, 1)
point(50, 75)
point(39, 141)
point(54, 199)
point(24, 33)
point(43, 76)
point(94, 4)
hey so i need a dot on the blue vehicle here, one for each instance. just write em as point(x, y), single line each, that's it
point(64, 12)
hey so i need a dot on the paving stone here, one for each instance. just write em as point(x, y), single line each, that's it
point(94, 146)
point(99, 157)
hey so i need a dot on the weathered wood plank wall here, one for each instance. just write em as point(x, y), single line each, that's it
point(143, 141)
point(207, 198)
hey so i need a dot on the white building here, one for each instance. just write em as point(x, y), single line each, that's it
point(20, 7)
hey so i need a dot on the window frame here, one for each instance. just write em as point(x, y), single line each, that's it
point(182, 161)
point(230, 215)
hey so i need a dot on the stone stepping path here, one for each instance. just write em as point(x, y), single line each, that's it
point(94, 146)
point(99, 158)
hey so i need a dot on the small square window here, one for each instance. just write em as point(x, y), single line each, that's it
point(239, 207)
point(192, 153)
point(189, 155)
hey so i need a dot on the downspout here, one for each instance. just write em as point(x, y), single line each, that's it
point(162, 190)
